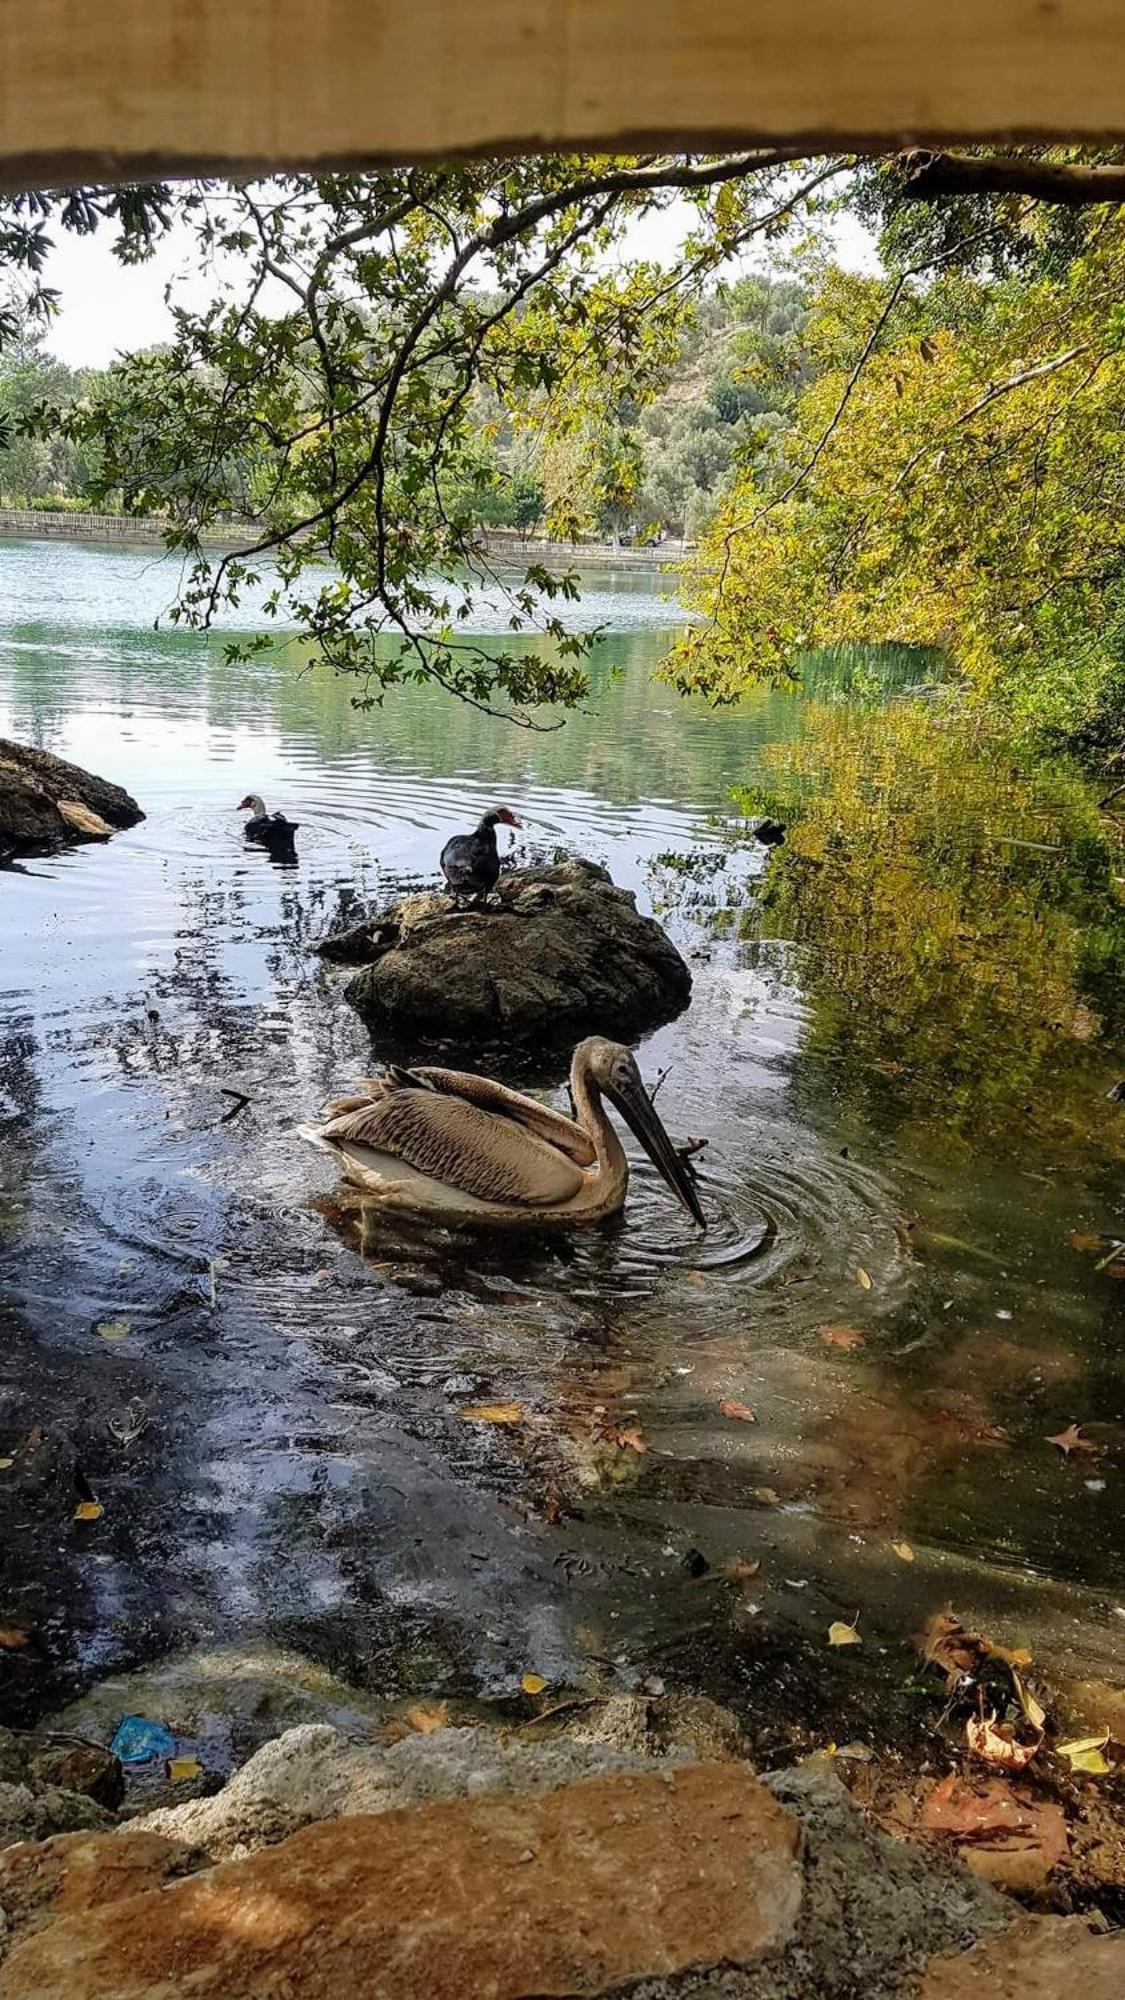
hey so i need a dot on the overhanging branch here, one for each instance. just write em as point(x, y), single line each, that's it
point(927, 176)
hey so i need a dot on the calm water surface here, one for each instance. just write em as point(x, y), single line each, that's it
point(275, 1434)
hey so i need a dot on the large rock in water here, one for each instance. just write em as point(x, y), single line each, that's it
point(558, 953)
point(46, 803)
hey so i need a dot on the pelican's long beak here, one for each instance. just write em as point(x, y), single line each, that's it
point(640, 1114)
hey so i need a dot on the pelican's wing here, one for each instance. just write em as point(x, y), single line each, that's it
point(558, 1131)
point(453, 1141)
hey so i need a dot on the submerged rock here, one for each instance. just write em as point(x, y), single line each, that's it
point(558, 953)
point(46, 803)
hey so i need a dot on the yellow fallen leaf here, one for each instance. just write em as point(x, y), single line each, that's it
point(89, 1510)
point(862, 1278)
point(492, 1413)
point(840, 1634)
point(1035, 1714)
point(5, 1463)
point(180, 1768)
point(113, 1329)
point(1084, 1753)
point(533, 1683)
point(904, 1551)
point(425, 1720)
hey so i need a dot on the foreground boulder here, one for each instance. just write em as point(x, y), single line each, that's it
point(47, 804)
point(558, 953)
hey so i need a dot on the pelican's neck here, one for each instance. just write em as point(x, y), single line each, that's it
point(257, 806)
point(591, 1114)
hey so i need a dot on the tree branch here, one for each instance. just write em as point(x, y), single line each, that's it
point(927, 176)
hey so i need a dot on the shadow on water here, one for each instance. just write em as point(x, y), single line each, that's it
point(898, 1050)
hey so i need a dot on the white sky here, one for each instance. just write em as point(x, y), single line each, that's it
point(108, 308)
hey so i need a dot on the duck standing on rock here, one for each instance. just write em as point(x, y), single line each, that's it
point(269, 830)
point(470, 862)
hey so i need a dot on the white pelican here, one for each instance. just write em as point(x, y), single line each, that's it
point(459, 1148)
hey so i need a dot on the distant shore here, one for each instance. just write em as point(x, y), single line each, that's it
point(42, 525)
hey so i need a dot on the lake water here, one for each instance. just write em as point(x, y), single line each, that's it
point(273, 1426)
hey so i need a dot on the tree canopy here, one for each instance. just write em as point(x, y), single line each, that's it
point(390, 360)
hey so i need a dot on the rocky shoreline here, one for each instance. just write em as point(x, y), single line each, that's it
point(595, 1844)
point(47, 804)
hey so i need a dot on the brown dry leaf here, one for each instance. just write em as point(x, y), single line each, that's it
point(840, 1634)
point(731, 1407)
point(493, 1413)
point(1071, 1440)
point(903, 1551)
point(1008, 1838)
point(532, 1683)
point(995, 1743)
point(743, 1570)
point(11, 1638)
point(89, 1510)
point(631, 1439)
point(426, 1720)
point(1084, 1239)
point(696, 1278)
point(946, 1644)
point(862, 1278)
point(842, 1336)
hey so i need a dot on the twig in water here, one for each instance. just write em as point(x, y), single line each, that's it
point(241, 1101)
point(661, 1075)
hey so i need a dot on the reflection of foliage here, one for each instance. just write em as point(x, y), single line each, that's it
point(965, 934)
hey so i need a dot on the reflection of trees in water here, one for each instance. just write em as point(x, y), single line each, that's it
point(965, 938)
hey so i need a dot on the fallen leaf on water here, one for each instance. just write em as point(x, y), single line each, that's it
point(6, 1464)
point(493, 1413)
point(1084, 1239)
point(1071, 1440)
point(862, 1278)
point(696, 1278)
point(533, 1683)
point(840, 1634)
point(426, 1720)
point(995, 1743)
point(89, 1510)
point(631, 1439)
point(181, 1768)
point(1084, 1753)
point(11, 1638)
point(1034, 1711)
point(841, 1336)
point(766, 1496)
point(904, 1551)
point(946, 1644)
point(730, 1407)
point(743, 1570)
point(113, 1329)
point(998, 1830)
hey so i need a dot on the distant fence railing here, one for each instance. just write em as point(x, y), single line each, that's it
point(63, 525)
point(504, 545)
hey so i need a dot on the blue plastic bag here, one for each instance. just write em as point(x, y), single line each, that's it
point(136, 1739)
